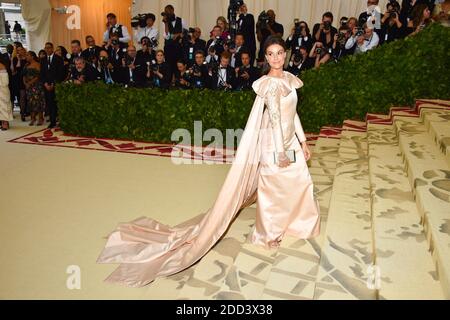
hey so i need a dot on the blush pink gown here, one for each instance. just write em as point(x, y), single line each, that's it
point(146, 249)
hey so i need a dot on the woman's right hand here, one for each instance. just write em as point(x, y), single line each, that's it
point(283, 160)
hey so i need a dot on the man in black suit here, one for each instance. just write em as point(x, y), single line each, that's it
point(83, 72)
point(115, 53)
point(132, 72)
point(246, 25)
point(52, 72)
point(239, 47)
point(92, 53)
point(246, 74)
point(224, 77)
point(192, 46)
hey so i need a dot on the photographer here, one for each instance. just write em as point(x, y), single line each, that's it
point(113, 28)
point(193, 45)
point(216, 41)
point(246, 26)
point(182, 78)
point(246, 74)
point(321, 54)
point(173, 27)
point(300, 61)
point(371, 17)
point(391, 26)
point(265, 27)
point(237, 50)
point(115, 52)
point(324, 32)
point(159, 72)
point(364, 39)
point(300, 36)
point(132, 72)
point(199, 71)
point(223, 77)
point(105, 68)
point(149, 31)
point(83, 72)
point(92, 51)
point(339, 41)
point(147, 53)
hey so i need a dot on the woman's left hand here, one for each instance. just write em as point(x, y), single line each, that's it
point(306, 151)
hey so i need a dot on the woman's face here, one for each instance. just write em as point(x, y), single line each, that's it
point(160, 57)
point(276, 55)
point(221, 24)
point(58, 51)
point(426, 13)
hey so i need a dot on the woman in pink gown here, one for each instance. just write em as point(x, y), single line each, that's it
point(262, 171)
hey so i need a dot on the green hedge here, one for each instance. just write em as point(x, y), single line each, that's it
point(394, 74)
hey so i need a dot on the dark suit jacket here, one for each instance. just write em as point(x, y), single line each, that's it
point(246, 25)
point(139, 75)
point(91, 51)
point(55, 73)
point(230, 79)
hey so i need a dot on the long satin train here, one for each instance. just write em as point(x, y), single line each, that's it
point(147, 249)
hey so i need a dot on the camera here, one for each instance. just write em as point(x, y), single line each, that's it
point(327, 26)
point(236, 4)
point(263, 20)
point(167, 18)
point(151, 43)
point(341, 38)
point(139, 21)
point(298, 57)
point(298, 28)
point(115, 42)
point(104, 61)
point(359, 32)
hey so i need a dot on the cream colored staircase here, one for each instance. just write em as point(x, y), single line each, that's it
point(384, 191)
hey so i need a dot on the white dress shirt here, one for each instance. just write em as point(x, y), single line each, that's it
point(151, 33)
point(126, 36)
point(168, 35)
point(368, 44)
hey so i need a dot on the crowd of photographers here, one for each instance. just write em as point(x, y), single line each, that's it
point(227, 61)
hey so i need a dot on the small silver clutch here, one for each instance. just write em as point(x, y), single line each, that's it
point(289, 153)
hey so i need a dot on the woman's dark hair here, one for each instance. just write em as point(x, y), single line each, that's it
point(271, 40)
point(42, 52)
point(33, 54)
point(308, 32)
point(63, 52)
point(417, 14)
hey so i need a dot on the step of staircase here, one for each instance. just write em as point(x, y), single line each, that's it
point(396, 224)
point(429, 175)
point(202, 281)
point(347, 249)
point(437, 122)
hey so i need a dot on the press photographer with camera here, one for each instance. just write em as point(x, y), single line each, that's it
point(132, 72)
point(265, 27)
point(158, 71)
point(115, 52)
point(300, 60)
point(147, 28)
point(192, 44)
point(371, 17)
point(83, 72)
point(147, 53)
point(105, 68)
point(223, 77)
point(199, 71)
point(300, 36)
point(183, 77)
point(173, 27)
point(92, 51)
point(362, 40)
point(237, 49)
point(320, 53)
point(113, 28)
point(246, 26)
point(216, 41)
point(391, 26)
point(246, 74)
point(339, 41)
point(324, 32)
